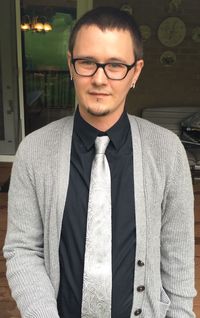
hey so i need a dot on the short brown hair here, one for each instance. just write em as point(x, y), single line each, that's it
point(109, 18)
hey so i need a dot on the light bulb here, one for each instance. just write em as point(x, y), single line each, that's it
point(47, 27)
point(39, 27)
point(25, 26)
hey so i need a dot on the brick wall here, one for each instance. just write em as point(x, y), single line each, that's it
point(159, 85)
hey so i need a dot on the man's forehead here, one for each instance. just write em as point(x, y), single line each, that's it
point(93, 31)
point(104, 45)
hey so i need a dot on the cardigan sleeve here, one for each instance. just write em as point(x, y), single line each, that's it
point(24, 251)
point(177, 239)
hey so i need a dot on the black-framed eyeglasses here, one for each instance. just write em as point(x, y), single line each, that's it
point(113, 70)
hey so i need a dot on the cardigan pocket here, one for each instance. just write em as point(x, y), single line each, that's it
point(164, 303)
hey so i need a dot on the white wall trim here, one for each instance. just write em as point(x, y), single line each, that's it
point(20, 69)
point(5, 158)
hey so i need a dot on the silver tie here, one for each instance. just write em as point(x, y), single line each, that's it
point(97, 278)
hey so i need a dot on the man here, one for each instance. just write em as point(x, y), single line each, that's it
point(151, 195)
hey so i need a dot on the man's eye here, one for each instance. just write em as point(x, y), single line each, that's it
point(115, 65)
point(86, 62)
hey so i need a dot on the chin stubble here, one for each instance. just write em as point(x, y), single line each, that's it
point(98, 114)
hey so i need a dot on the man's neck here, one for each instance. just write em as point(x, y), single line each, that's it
point(102, 123)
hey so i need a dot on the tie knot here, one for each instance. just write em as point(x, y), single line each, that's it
point(101, 144)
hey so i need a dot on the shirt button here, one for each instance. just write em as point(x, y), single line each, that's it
point(140, 263)
point(140, 288)
point(138, 312)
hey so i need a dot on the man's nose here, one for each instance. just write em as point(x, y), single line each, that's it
point(100, 76)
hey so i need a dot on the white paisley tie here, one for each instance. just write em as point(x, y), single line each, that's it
point(97, 278)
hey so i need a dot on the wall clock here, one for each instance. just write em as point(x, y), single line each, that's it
point(168, 58)
point(145, 31)
point(174, 5)
point(196, 34)
point(171, 31)
point(127, 8)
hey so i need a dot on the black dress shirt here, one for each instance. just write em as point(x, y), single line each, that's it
point(73, 234)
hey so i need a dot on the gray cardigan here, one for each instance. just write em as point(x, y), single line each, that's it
point(164, 221)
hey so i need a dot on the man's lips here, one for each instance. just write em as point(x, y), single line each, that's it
point(99, 94)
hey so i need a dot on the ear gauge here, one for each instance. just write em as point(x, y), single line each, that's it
point(133, 86)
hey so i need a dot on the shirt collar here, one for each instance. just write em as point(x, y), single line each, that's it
point(87, 133)
point(119, 131)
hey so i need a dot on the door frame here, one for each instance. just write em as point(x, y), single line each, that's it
point(10, 91)
point(82, 7)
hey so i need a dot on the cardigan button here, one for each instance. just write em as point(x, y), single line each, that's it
point(140, 263)
point(138, 312)
point(140, 288)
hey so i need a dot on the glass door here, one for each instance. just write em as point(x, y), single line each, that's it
point(37, 90)
point(48, 90)
point(9, 107)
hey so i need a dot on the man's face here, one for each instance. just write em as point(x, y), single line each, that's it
point(97, 95)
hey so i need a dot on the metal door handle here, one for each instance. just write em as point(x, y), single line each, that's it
point(10, 107)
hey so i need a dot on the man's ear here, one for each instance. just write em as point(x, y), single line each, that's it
point(137, 70)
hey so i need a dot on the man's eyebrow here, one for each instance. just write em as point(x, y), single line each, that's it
point(85, 57)
point(117, 60)
point(110, 59)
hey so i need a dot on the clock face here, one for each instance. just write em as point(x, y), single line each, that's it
point(127, 8)
point(171, 31)
point(168, 58)
point(196, 34)
point(145, 31)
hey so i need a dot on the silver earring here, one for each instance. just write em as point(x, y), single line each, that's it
point(133, 86)
point(71, 77)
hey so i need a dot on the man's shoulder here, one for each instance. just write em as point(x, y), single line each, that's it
point(157, 140)
point(47, 138)
point(151, 131)
point(51, 129)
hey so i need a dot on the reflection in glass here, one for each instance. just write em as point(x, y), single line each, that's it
point(49, 92)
